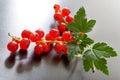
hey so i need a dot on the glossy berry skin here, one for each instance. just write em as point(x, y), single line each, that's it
point(38, 49)
point(59, 48)
point(40, 32)
point(67, 36)
point(58, 17)
point(59, 38)
point(26, 33)
point(35, 37)
point(69, 19)
point(65, 12)
point(56, 7)
point(54, 32)
point(46, 48)
point(24, 43)
point(49, 37)
point(12, 46)
point(62, 27)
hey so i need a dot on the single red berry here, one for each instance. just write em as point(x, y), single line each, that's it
point(24, 44)
point(35, 37)
point(56, 7)
point(49, 37)
point(26, 33)
point(69, 19)
point(65, 12)
point(59, 48)
point(58, 17)
point(12, 46)
point(67, 36)
point(46, 48)
point(62, 27)
point(40, 32)
point(54, 32)
point(38, 49)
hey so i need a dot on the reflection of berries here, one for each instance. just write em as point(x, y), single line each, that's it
point(65, 11)
point(12, 46)
point(62, 27)
point(24, 43)
point(38, 49)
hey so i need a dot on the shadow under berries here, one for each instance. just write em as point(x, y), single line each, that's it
point(10, 61)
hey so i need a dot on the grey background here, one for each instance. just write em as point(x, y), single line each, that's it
point(16, 15)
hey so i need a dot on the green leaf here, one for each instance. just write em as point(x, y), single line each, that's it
point(86, 40)
point(102, 50)
point(90, 24)
point(90, 61)
point(80, 23)
point(74, 49)
point(73, 27)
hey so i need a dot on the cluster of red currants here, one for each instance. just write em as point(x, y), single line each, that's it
point(62, 16)
point(57, 37)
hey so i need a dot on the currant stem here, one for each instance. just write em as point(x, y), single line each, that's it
point(14, 37)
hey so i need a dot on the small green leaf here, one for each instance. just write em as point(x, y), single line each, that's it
point(86, 40)
point(102, 50)
point(74, 49)
point(80, 23)
point(90, 24)
point(90, 60)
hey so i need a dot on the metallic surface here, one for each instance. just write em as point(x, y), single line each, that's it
point(16, 15)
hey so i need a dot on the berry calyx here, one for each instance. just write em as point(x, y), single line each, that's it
point(12, 46)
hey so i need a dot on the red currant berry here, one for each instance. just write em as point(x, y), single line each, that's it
point(58, 17)
point(38, 49)
point(62, 27)
point(12, 46)
point(46, 48)
point(35, 37)
point(67, 36)
point(26, 33)
point(59, 48)
point(24, 44)
point(56, 7)
point(49, 37)
point(69, 19)
point(40, 32)
point(54, 32)
point(65, 12)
